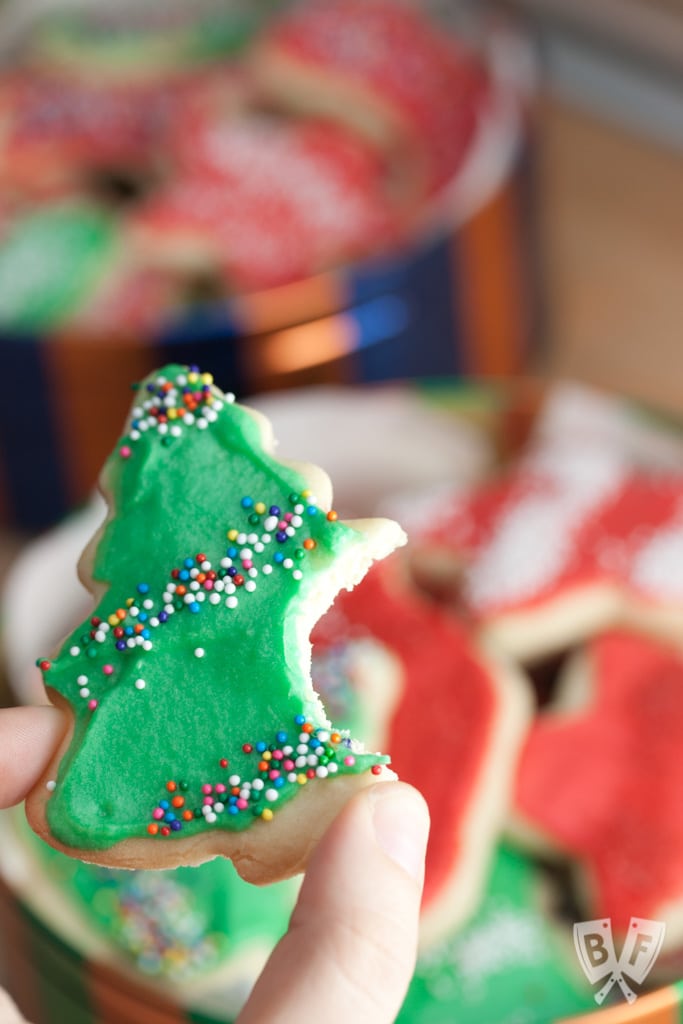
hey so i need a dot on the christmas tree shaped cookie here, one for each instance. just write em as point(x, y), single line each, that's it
point(194, 728)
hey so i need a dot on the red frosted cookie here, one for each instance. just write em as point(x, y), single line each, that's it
point(454, 727)
point(381, 67)
point(644, 525)
point(600, 779)
point(521, 554)
point(53, 131)
point(205, 105)
point(274, 202)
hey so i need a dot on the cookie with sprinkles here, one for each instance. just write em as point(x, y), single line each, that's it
point(301, 197)
point(382, 68)
point(521, 555)
point(541, 561)
point(645, 526)
point(194, 727)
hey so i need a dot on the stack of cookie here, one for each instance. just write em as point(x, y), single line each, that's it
point(299, 146)
point(567, 567)
point(314, 193)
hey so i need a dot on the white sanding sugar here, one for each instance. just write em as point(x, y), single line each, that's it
point(657, 568)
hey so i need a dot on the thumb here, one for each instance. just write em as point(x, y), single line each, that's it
point(351, 945)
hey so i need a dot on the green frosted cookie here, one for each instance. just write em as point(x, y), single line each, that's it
point(510, 965)
point(127, 45)
point(50, 262)
point(194, 729)
point(191, 924)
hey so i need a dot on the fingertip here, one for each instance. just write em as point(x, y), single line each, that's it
point(356, 920)
point(384, 827)
point(400, 818)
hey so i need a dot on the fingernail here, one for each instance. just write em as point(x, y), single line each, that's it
point(401, 823)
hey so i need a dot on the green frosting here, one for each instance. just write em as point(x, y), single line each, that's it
point(509, 965)
point(182, 696)
point(93, 41)
point(50, 262)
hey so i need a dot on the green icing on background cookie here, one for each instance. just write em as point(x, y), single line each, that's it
point(138, 43)
point(50, 262)
point(192, 709)
point(509, 965)
point(177, 925)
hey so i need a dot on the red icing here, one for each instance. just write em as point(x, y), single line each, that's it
point(604, 784)
point(642, 513)
point(391, 49)
point(54, 128)
point(440, 735)
point(275, 202)
point(464, 522)
point(204, 102)
point(599, 545)
point(556, 548)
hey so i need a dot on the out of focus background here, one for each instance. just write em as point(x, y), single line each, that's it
point(185, 182)
point(609, 174)
point(450, 231)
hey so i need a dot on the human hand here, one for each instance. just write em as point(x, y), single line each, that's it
point(28, 738)
point(350, 949)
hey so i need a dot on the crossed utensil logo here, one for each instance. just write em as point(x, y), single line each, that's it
point(594, 945)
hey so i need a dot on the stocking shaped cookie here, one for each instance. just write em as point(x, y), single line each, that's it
point(521, 554)
point(600, 779)
point(455, 721)
point(193, 726)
